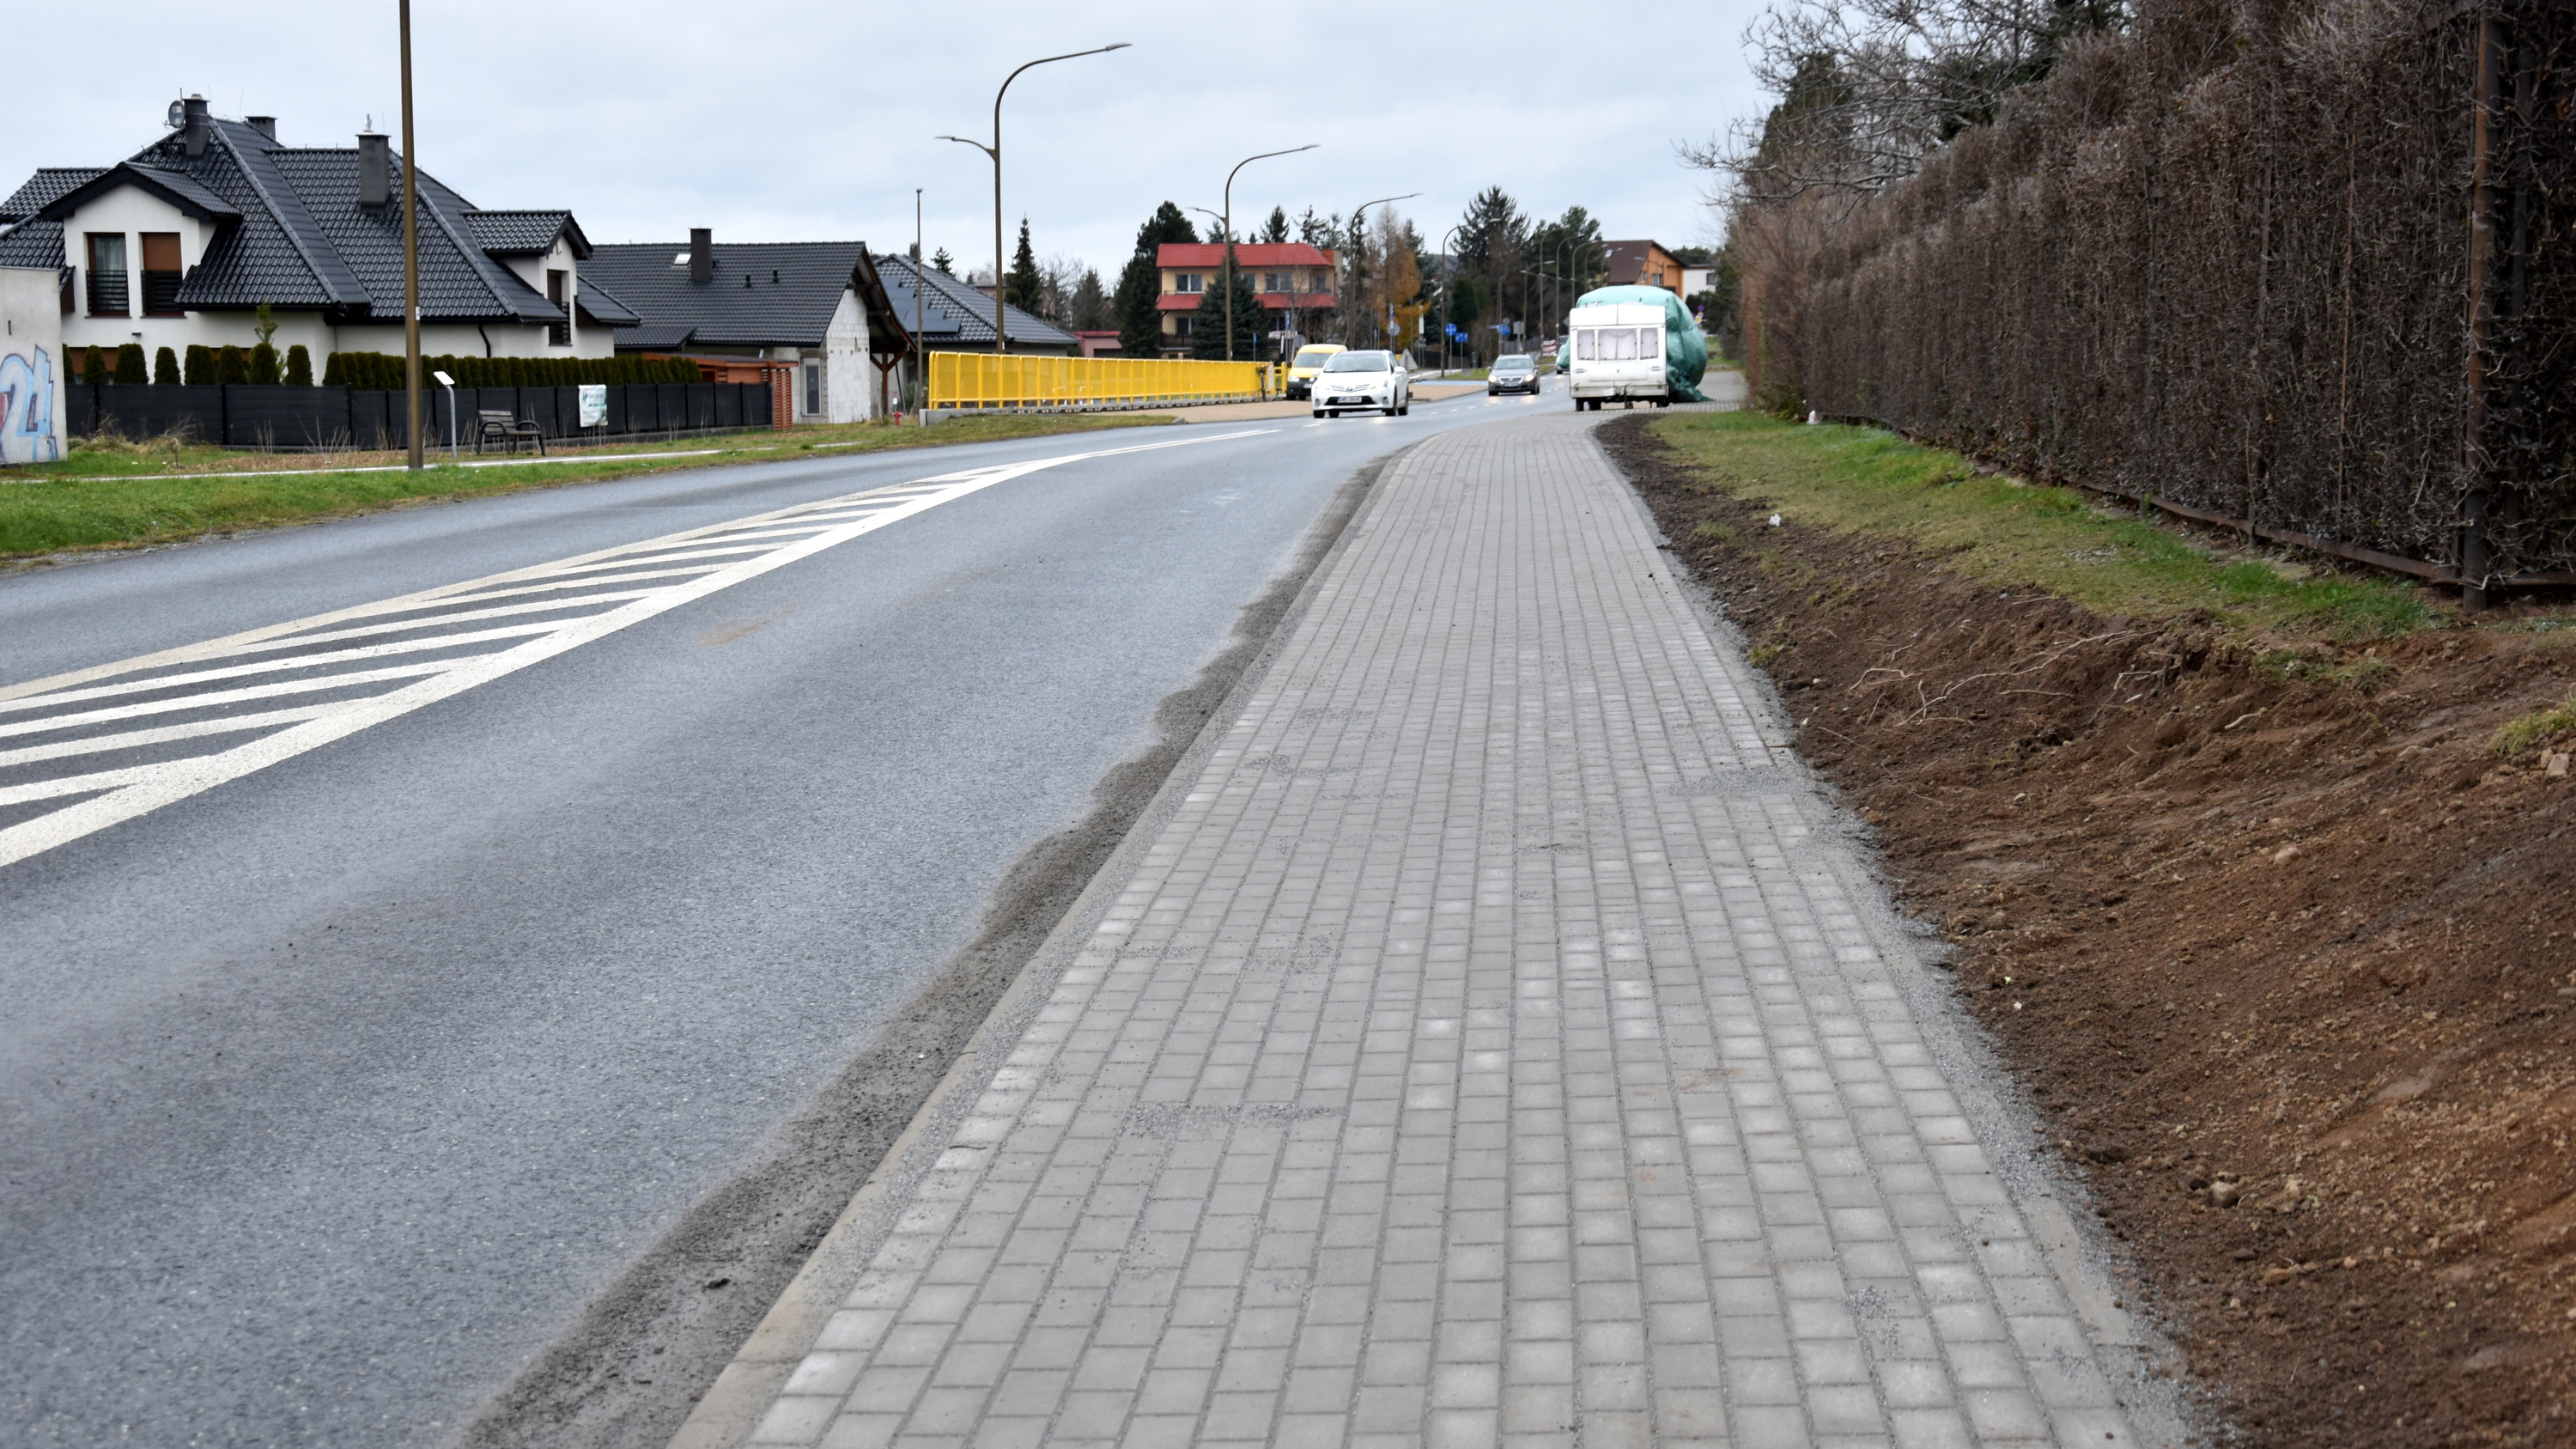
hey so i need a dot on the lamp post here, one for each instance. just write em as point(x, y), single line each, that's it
point(920, 357)
point(1448, 269)
point(1226, 224)
point(1362, 237)
point(1572, 251)
point(1001, 337)
point(411, 253)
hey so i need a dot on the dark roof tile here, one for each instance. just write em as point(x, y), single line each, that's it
point(765, 294)
point(41, 189)
point(32, 244)
point(955, 313)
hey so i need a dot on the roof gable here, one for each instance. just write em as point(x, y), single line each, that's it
point(42, 188)
point(953, 311)
point(525, 233)
point(175, 187)
point(291, 232)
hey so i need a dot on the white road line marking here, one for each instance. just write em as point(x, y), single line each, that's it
point(791, 533)
point(164, 734)
point(215, 697)
point(296, 661)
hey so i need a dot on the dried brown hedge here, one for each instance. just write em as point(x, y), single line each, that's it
point(2223, 259)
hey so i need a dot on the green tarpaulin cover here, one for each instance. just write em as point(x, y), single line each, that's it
point(1685, 351)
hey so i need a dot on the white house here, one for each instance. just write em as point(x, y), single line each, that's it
point(181, 244)
point(819, 307)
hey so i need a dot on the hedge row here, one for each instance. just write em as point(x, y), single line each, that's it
point(385, 370)
point(2223, 260)
point(372, 370)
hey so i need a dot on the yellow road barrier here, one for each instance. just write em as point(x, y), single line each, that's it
point(971, 380)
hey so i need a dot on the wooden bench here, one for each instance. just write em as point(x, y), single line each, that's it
point(501, 427)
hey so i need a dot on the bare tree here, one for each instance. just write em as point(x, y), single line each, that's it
point(1868, 88)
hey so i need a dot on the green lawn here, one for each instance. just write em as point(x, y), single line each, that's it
point(119, 495)
point(2063, 541)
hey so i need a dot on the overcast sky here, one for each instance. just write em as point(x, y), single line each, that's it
point(771, 121)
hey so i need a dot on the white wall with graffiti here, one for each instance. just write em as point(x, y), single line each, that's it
point(31, 365)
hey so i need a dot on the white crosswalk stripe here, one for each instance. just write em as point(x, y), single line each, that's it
point(65, 733)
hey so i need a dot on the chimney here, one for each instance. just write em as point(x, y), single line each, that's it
point(702, 254)
point(195, 128)
point(265, 125)
point(375, 169)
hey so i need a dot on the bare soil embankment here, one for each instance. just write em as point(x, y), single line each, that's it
point(2284, 948)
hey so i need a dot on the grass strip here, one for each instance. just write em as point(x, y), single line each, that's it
point(54, 507)
point(2004, 532)
point(2540, 727)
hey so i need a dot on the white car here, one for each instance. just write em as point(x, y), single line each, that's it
point(1353, 380)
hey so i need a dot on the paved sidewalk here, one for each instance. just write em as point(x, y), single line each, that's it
point(1489, 1045)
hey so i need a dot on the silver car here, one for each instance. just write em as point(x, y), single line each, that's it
point(1352, 381)
point(1514, 373)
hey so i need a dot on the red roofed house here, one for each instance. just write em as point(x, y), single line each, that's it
point(1291, 277)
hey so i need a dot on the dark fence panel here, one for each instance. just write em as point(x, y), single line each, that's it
point(147, 412)
point(269, 417)
point(312, 419)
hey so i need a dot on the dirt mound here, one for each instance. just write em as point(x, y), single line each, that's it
point(2282, 945)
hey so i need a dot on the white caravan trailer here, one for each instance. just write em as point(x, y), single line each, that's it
point(1618, 355)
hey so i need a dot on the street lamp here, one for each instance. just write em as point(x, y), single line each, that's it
point(1448, 270)
point(1226, 225)
point(1001, 338)
point(411, 253)
point(920, 357)
point(1356, 212)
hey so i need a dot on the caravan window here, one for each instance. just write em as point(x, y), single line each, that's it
point(1615, 344)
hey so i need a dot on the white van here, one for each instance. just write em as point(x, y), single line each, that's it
point(1618, 355)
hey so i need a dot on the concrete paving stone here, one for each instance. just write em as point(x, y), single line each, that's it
point(1479, 1041)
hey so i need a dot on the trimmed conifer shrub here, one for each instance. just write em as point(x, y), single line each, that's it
point(165, 368)
point(129, 364)
point(93, 365)
point(263, 364)
point(201, 365)
point(299, 366)
point(384, 371)
point(231, 365)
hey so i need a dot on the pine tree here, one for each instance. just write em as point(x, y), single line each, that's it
point(1091, 309)
point(1275, 230)
point(1140, 283)
point(942, 263)
point(1207, 325)
point(1024, 288)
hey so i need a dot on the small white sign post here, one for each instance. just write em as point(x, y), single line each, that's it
point(449, 383)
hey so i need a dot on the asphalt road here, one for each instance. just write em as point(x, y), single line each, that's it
point(332, 1093)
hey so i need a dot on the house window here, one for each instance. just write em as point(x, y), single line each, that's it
point(1189, 282)
point(1274, 281)
point(814, 387)
point(107, 275)
point(559, 334)
point(161, 274)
